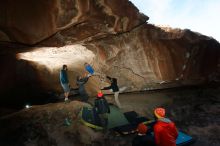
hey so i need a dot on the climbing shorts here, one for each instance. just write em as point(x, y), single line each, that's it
point(66, 87)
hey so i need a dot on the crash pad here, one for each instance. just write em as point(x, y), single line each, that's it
point(116, 118)
point(183, 139)
point(125, 123)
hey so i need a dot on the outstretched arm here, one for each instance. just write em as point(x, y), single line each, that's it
point(106, 88)
point(84, 80)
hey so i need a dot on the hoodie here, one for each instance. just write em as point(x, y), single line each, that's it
point(165, 132)
point(102, 105)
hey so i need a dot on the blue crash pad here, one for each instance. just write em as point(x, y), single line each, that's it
point(183, 139)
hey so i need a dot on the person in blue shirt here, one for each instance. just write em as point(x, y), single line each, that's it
point(65, 81)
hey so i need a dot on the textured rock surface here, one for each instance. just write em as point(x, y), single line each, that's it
point(145, 58)
point(151, 57)
point(111, 35)
point(30, 21)
point(46, 125)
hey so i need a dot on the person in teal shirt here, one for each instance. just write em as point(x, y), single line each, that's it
point(65, 81)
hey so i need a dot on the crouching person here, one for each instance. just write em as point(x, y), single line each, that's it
point(102, 108)
point(143, 138)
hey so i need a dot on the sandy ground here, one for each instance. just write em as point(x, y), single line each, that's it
point(142, 103)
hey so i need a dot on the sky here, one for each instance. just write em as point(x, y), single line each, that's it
point(201, 16)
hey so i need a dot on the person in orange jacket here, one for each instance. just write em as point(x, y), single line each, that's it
point(165, 131)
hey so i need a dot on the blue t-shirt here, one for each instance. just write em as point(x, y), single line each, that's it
point(90, 69)
point(63, 77)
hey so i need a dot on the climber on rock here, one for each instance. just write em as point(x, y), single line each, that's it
point(165, 131)
point(114, 88)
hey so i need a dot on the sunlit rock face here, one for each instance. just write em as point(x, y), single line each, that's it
point(49, 62)
point(30, 21)
point(111, 35)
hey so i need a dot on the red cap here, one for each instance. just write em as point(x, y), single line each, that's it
point(159, 112)
point(100, 94)
point(142, 129)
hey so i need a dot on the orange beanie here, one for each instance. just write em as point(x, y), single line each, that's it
point(159, 112)
point(142, 129)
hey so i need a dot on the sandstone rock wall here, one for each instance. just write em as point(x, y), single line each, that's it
point(30, 21)
point(121, 44)
point(149, 57)
point(145, 58)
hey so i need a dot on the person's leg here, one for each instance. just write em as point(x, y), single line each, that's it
point(66, 96)
point(66, 91)
point(104, 121)
point(83, 94)
point(85, 97)
point(116, 99)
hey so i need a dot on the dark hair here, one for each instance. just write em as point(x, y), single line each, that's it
point(64, 66)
